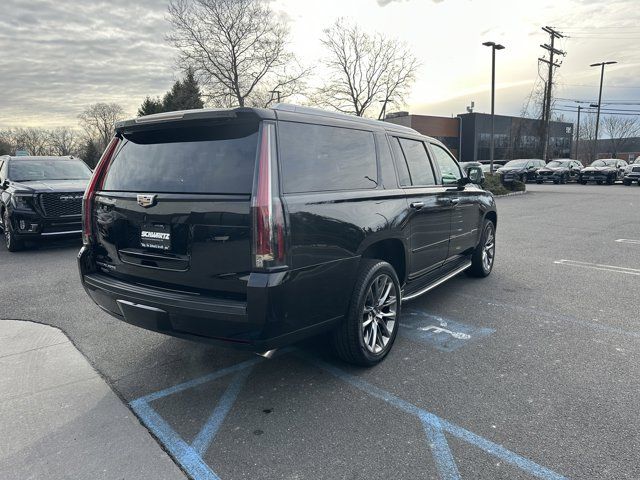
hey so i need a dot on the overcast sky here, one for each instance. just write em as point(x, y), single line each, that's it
point(58, 56)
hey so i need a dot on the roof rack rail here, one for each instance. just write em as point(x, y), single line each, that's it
point(288, 107)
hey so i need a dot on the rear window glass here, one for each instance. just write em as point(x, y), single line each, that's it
point(191, 159)
point(317, 158)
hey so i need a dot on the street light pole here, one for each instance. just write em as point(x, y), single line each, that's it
point(494, 46)
point(601, 65)
point(578, 132)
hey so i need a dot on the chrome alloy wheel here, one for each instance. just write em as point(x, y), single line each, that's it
point(488, 249)
point(379, 313)
point(6, 228)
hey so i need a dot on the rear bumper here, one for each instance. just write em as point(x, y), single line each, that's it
point(260, 323)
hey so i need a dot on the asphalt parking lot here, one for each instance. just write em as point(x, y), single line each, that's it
point(533, 372)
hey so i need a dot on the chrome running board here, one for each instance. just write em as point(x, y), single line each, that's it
point(438, 282)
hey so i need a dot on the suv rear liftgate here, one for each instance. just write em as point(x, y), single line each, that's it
point(169, 215)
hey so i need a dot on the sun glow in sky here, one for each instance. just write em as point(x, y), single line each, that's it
point(58, 56)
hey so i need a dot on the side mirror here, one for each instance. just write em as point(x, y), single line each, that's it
point(531, 167)
point(4, 184)
point(474, 175)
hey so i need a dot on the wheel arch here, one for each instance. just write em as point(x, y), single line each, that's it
point(493, 216)
point(392, 251)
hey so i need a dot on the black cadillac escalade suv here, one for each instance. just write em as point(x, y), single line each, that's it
point(41, 197)
point(258, 227)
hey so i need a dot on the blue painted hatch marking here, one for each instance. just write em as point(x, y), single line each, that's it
point(442, 333)
point(190, 456)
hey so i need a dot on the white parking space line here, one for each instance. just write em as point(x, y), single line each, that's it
point(628, 240)
point(597, 266)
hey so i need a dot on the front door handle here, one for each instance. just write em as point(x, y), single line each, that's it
point(454, 200)
point(417, 205)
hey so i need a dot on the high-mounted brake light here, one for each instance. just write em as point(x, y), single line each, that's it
point(94, 184)
point(268, 214)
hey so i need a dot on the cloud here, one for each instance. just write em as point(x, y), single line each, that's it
point(384, 3)
point(59, 57)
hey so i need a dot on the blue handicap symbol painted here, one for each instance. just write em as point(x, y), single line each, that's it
point(442, 333)
point(190, 455)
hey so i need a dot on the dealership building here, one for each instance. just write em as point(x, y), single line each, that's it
point(468, 135)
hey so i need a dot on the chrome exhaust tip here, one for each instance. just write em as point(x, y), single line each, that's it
point(268, 354)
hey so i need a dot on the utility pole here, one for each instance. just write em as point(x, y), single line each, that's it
point(383, 111)
point(276, 93)
point(494, 46)
point(553, 34)
point(578, 131)
point(601, 64)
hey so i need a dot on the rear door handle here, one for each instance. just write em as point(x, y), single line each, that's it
point(417, 205)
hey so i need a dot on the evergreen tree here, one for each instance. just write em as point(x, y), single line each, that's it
point(151, 106)
point(90, 153)
point(184, 95)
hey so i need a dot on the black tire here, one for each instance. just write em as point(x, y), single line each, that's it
point(563, 179)
point(626, 183)
point(556, 181)
point(350, 336)
point(611, 180)
point(583, 182)
point(10, 240)
point(539, 182)
point(523, 178)
point(599, 182)
point(479, 268)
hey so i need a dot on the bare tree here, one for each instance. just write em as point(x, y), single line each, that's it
point(63, 141)
point(366, 72)
point(98, 122)
point(7, 144)
point(33, 140)
point(620, 129)
point(587, 148)
point(236, 48)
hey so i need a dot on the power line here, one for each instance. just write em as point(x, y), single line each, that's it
point(613, 29)
point(610, 102)
point(602, 38)
point(594, 111)
point(595, 86)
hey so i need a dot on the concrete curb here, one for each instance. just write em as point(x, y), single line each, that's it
point(59, 417)
point(511, 194)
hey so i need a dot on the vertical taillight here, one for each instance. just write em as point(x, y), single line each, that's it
point(95, 184)
point(267, 209)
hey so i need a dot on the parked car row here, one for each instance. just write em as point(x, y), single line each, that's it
point(564, 170)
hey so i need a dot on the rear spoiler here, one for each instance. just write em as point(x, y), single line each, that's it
point(201, 114)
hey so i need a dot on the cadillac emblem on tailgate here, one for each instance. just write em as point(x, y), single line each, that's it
point(146, 200)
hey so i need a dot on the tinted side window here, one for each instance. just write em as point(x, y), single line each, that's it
point(401, 164)
point(448, 167)
point(1, 171)
point(316, 158)
point(418, 162)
